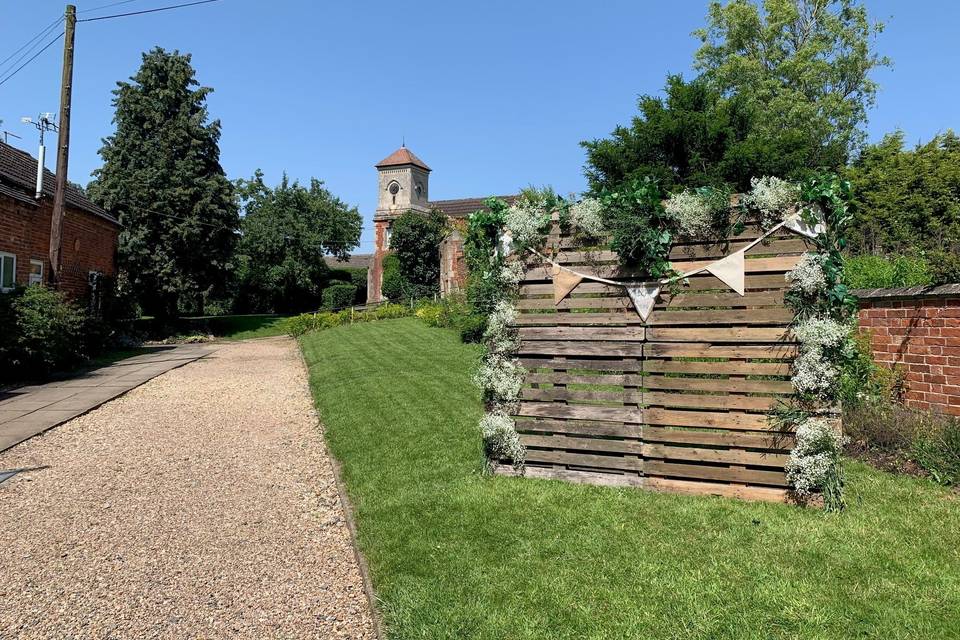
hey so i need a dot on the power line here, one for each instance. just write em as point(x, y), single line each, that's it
point(107, 6)
point(30, 42)
point(32, 58)
point(138, 13)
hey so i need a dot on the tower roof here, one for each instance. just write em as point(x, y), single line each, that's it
point(400, 157)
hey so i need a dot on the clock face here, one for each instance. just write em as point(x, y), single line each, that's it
point(394, 188)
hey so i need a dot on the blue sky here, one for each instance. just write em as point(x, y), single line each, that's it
point(492, 95)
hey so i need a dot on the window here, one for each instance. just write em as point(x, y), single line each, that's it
point(36, 272)
point(8, 271)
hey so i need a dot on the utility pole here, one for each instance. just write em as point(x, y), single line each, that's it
point(63, 146)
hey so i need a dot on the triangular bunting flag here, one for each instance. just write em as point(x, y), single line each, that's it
point(564, 281)
point(644, 296)
point(796, 224)
point(731, 271)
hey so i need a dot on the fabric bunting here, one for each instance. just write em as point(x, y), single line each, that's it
point(796, 224)
point(731, 270)
point(644, 296)
point(564, 281)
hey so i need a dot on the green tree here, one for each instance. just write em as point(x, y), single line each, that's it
point(783, 90)
point(907, 200)
point(286, 231)
point(685, 138)
point(800, 66)
point(415, 241)
point(161, 176)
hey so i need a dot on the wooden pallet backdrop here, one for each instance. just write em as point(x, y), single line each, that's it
point(678, 403)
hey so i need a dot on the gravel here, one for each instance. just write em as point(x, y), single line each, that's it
point(201, 504)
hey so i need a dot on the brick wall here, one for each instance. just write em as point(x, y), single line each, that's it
point(89, 241)
point(918, 331)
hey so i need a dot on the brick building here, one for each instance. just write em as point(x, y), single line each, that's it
point(89, 233)
point(404, 185)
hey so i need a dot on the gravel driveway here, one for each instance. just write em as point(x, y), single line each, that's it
point(201, 504)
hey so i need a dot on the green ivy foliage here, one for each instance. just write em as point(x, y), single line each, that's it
point(640, 228)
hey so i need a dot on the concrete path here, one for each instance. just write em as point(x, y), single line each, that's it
point(201, 504)
point(27, 411)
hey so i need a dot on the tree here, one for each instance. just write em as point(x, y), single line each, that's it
point(782, 92)
point(800, 66)
point(286, 231)
point(415, 240)
point(907, 201)
point(161, 176)
point(682, 139)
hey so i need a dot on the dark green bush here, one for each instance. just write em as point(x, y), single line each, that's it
point(338, 296)
point(471, 327)
point(43, 332)
point(393, 285)
point(944, 267)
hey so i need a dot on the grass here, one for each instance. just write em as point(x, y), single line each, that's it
point(242, 327)
point(455, 554)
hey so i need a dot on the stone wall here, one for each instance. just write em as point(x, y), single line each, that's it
point(917, 329)
point(89, 242)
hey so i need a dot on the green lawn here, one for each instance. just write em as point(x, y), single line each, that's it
point(458, 555)
point(239, 327)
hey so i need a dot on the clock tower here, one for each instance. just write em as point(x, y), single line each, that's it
point(403, 185)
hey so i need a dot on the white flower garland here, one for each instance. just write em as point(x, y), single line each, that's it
point(807, 277)
point(585, 216)
point(815, 456)
point(772, 197)
point(693, 213)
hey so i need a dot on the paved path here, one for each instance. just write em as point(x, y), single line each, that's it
point(201, 504)
point(27, 411)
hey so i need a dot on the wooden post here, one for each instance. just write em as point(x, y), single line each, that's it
point(63, 148)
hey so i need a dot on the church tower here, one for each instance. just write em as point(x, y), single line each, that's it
point(403, 185)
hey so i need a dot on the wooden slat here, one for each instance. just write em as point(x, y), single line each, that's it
point(731, 385)
point(531, 363)
point(703, 350)
point(649, 398)
point(716, 419)
point(774, 441)
point(577, 348)
point(623, 334)
point(578, 427)
point(704, 472)
point(581, 412)
point(730, 368)
point(584, 460)
point(721, 334)
point(725, 316)
point(659, 451)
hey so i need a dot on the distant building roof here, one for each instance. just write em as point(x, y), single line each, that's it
point(465, 206)
point(356, 261)
point(18, 179)
point(400, 157)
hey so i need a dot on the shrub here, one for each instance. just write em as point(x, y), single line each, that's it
point(896, 438)
point(393, 284)
point(471, 327)
point(878, 272)
point(944, 267)
point(43, 332)
point(639, 226)
point(937, 450)
point(308, 322)
point(338, 296)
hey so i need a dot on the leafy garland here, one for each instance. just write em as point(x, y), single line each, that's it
point(642, 228)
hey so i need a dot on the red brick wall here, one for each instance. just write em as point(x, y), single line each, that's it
point(89, 242)
point(921, 335)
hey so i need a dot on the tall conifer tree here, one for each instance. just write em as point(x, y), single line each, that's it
point(162, 177)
